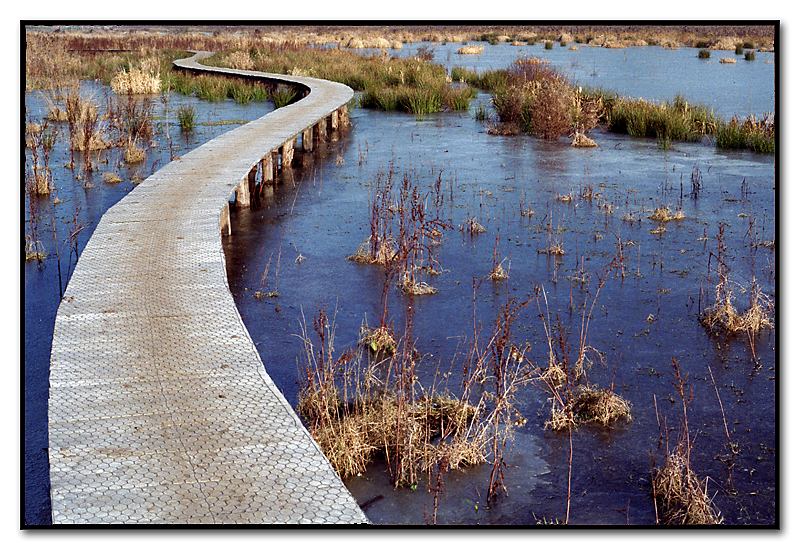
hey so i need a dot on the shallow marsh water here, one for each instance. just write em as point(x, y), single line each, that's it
point(321, 213)
point(88, 199)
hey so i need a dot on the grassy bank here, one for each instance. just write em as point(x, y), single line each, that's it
point(413, 85)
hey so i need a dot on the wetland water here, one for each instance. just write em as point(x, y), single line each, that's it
point(640, 323)
point(651, 72)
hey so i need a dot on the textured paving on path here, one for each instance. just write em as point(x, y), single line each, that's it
point(160, 408)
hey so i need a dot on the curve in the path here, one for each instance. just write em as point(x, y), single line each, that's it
point(160, 408)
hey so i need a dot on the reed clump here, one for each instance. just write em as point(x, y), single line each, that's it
point(282, 96)
point(111, 178)
point(133, 153)
point(144, 79)
point(470, 50)
point(722, 316)
point(663, 214)
point(704, 54)
point(360, 408)
point(40, 138)
point(757, 135)
point(404, 232)
point(675, 121)
point(472, 226)
point(414, 85)
point(186, 118)
point(679, 496)
point(380, 340)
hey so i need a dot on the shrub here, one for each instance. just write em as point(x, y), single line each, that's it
point(538, 100)
point(739, 49)
point(750, 55)
point(704, 54)
point(548, 45)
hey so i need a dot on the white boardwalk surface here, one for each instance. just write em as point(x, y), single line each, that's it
point(160, 408)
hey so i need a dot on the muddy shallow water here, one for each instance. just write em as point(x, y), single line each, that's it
point(87, 198)
point(321, 213)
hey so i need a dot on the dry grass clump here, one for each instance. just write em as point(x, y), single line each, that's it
point(728, 60)
point(553, 249)
point(239, 60)
point(680, 497)
point(722, 315)
point(111, 177)
point(34, 250)
point(470, 50)
point(379, 340)
point(581, 140)
point(587, 404)
point(133, 153)
point(565, 198)
point(381, 253)
point(601, 406)
point(472, 226)
point(40, 140)
point(362, 407)
point(663, 215)
point(413, 287)
point(498, 273)
point(144, 79)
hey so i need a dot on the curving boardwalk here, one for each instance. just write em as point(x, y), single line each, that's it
point(160, 408)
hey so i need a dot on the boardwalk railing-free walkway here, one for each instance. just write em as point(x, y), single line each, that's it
point(160, 408)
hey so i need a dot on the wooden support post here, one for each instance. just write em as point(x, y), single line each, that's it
point(287, 154)
point(251, 180)
point(334, 120)
point(266, 169)
point(344, 118)
point(243, 192)
point(322, 129)
point(274, 156)
point(225, 220)
point(308, 140)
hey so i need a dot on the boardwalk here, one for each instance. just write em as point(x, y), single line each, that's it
point(160, 408)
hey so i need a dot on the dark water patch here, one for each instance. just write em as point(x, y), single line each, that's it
point(640, 322)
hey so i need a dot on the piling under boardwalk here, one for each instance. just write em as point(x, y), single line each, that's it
point(160, 408)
